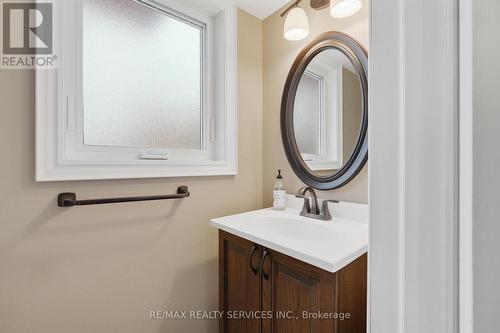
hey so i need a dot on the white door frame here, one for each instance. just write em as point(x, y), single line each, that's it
point(466, 198)
point(414, 167)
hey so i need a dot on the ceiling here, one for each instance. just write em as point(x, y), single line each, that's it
point(261, 8)
point(333, 58)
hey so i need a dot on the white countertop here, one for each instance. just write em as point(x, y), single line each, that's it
point(328, 245)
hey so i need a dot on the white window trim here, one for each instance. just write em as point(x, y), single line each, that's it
point(324, 161)
point(54, 163)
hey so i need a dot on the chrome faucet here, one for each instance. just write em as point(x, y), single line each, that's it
point(311, 210)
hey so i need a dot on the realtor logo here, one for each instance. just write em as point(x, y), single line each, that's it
point(27, 34)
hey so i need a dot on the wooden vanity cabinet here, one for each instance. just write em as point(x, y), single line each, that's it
point(280, 289)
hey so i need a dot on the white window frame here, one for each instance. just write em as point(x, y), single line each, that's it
point(61, 154)
point(326, 160)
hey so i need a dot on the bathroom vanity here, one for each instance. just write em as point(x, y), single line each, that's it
point(280, 272)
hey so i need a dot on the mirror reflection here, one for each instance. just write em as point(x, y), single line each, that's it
point(328, 112)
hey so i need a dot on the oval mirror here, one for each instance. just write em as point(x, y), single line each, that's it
point(324, 115)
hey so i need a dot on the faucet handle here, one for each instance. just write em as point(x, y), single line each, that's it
point(307, 207)
point(325, 211)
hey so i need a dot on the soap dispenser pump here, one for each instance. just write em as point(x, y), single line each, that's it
point(279, 193)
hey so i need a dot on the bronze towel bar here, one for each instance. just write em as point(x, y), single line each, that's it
point(69, 199)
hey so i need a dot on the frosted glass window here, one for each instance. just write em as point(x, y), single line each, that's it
point(306, 115)
point(142, 76)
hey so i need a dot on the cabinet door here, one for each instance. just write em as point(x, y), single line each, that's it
point(295, 292)
point(239, 284)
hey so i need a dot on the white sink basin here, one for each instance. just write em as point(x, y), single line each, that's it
point(292, 229)
point(329, 245)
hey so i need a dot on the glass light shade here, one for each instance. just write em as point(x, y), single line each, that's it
point(344, 8)
point(296, 25)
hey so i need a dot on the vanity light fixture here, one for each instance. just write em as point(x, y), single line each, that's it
point(344, 8)
point(296, 23)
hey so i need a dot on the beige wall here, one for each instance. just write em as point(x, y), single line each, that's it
point(279, 55)
point(486, 162)
point(103, 268)
point(352, 113)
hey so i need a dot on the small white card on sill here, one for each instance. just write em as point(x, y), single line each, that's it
point(154, 154)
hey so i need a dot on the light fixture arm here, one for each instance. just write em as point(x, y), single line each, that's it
point(292, 6)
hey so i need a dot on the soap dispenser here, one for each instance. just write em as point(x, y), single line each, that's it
point(279, 193)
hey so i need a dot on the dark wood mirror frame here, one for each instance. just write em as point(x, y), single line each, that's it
point(359, 58)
